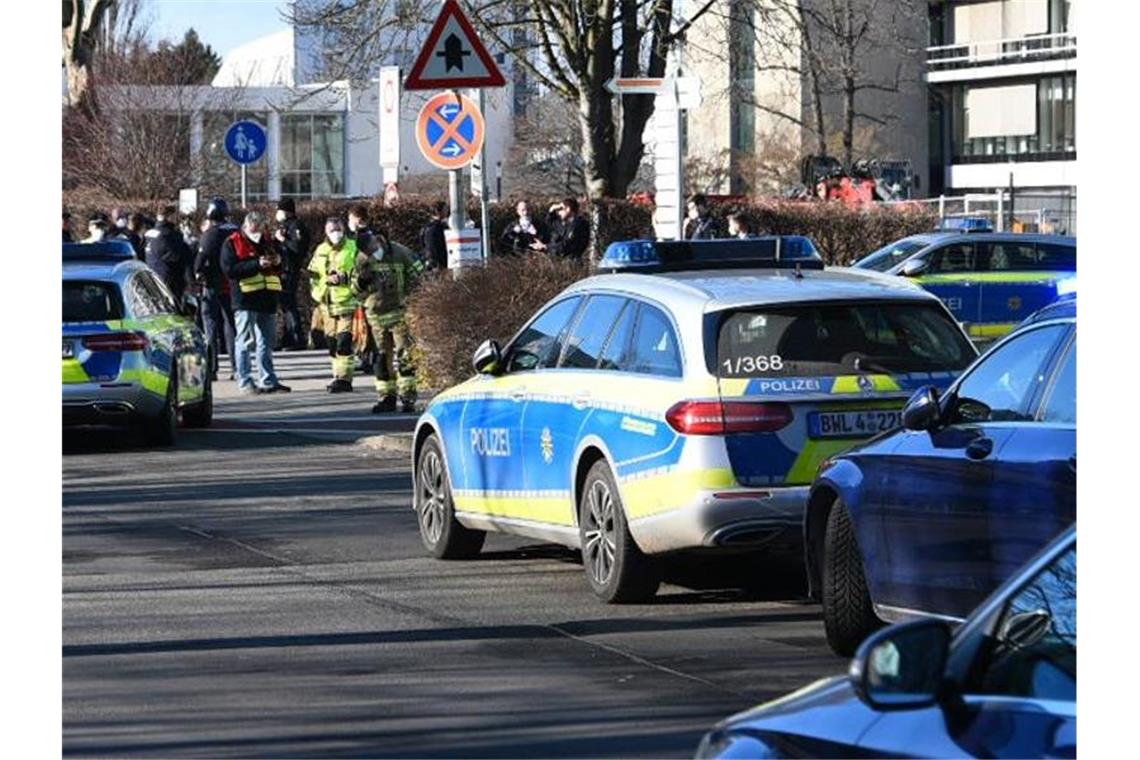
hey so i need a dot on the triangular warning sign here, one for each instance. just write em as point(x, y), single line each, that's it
point(453, 56)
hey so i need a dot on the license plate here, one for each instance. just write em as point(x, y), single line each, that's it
point(68, 349)
point(852, 424)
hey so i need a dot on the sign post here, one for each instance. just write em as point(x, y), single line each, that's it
point(450, 127)
point(390, 125)
point(245, 144)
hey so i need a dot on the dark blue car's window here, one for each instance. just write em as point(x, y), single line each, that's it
point(585, 341)
point(891, 255)
point(539, 344)
point(1061, 407)
point(1000, 387)
point(1033, 650)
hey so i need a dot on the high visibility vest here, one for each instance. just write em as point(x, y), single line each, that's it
point(245, 249)
point(339, 299)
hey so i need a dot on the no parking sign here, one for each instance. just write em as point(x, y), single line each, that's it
point(449, 130)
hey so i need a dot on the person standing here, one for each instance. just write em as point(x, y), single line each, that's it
point(382, 280)
point(293, 238)
point(254, 271)
point(433, 238)
point(331, 271)
point(217, 314)
point(124, 232)
point(96, 228)
point(739, 226)
point(569, 232)
point(519, 236)
point(700, 224)
point(67, 236)
point(167, 253)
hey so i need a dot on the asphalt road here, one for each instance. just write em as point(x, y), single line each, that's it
point(261, 590)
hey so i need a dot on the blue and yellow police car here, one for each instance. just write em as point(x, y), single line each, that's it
point(129, 355)
point(681, 399)
point(989, 281)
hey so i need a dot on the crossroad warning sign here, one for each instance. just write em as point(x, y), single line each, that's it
point(449, 130)
point(453, 56)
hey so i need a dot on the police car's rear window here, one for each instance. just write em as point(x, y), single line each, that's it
point(91, 301)
point(837, 339)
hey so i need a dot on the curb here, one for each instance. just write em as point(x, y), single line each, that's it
point(391, 442)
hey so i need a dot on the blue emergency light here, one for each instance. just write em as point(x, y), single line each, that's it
point(965, 224)
point(106, 250)
point(770, 252)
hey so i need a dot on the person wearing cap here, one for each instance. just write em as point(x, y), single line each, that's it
point(97, 228)
point(217, 314)
point(330, 285)
point(293, 239)
point(254, 268)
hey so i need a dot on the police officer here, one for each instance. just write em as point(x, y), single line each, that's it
point(700, 224)
point(331, 271)
point(382, 280)
point(293, 238)
point(167, 253)
point(123, 231)
point(217, 314)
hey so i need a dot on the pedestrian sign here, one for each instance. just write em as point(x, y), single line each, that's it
point(453, 56)
point(245, 142)
point(449, 130)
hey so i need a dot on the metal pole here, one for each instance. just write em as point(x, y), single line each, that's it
point(243, 205)
point(484, 216)
point(1000, 211)
point(455, 221)
point(679, 230)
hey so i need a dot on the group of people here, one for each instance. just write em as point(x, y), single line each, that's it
point(564, 232)
point(700, 224)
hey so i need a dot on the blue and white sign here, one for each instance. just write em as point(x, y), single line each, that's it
point(245, 142)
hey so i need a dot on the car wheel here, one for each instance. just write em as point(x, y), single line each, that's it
point(441, 533)
point(201, 414)
point(163, 429)
point(848, 615)
point(616, 570)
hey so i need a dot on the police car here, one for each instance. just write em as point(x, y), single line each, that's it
point(129, 356)
point(682, 399)
point(989, 281)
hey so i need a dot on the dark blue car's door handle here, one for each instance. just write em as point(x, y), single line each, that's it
point(980, 448)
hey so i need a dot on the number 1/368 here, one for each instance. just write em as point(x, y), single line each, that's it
point(745, 365)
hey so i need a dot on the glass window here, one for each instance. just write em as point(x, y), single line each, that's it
point(312, 155)
point(891, 255)
point(585, 342)
point(839, 339)
point(1000, 387)
point(220, 175)
point(91, 302)
point(1033, 651)
point(960, 257)
point(149, 297)
point(1062, 404)
point(655, 349)
point(1011, 256)
point(539, 344)
point(616, 355)
point(1056, 258)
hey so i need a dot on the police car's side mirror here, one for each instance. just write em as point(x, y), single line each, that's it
point(922, 411)
point(488, 358)
point(913, 268)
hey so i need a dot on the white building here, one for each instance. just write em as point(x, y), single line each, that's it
point(1003, 80)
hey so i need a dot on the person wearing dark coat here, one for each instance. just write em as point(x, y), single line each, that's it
point(293, 238)
point(217, 314)
point(520, 236)
point(433, 239)
point(569, 232)
point(700, 224)
point(167, 253)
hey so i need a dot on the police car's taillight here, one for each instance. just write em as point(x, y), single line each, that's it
point(121, 341)
point(720, 417)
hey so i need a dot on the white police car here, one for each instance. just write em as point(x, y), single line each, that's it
point(683, 399)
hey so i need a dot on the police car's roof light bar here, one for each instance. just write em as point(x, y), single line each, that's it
point(771, 252)
point(965, 224)
point(107, 250)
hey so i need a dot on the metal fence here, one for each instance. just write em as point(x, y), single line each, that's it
point(1052, 213)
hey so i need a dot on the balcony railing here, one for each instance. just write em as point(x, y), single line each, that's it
point(994, 52)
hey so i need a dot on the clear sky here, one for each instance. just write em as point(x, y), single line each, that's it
point(222, 24)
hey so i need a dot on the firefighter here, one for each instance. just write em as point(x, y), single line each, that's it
point(331, 268)
point(382, 280)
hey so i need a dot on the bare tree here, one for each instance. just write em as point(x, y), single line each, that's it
point(547, 150)
point(82, 22)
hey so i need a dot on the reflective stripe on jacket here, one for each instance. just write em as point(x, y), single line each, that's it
point(245, 249)
point(339, 299)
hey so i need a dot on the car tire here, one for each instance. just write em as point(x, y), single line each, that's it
point(848, 615)
point(162, 430)
point(201, 414)
point(441, 533)
point(616, 569)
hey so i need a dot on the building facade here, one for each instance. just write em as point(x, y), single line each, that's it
point(1003, 84)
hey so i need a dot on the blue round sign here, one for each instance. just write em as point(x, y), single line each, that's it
point(245, 142)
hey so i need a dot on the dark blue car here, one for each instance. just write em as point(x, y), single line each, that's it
point(1003, 685)
point(930, 518)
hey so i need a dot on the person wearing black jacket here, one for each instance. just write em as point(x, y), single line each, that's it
point(520, 236)
point(254, 269)
point(432, 237)
point(167, 253)
point(569, 233)
point(217, 316)
point(293, 238)
point(130, 232)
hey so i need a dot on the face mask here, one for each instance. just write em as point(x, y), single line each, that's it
point(353, 226)
point(254, 236)
point(336, 237)
point(121, 224)
point(280, 215)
